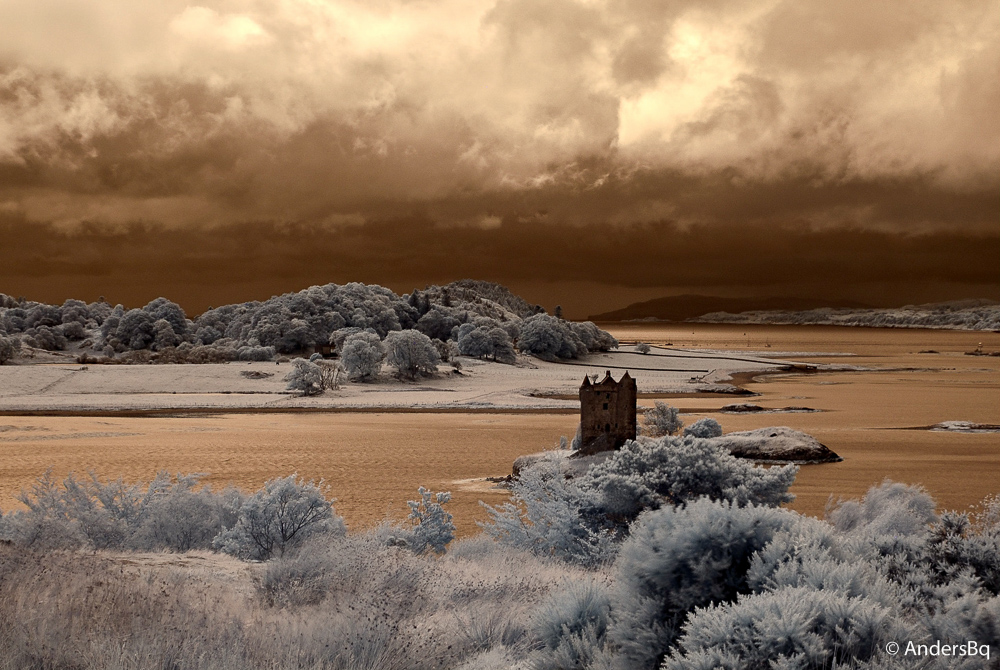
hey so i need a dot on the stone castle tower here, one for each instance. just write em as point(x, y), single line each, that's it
point(607, 413)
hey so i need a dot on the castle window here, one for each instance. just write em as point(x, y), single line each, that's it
point(605, 405)
point(607, 428)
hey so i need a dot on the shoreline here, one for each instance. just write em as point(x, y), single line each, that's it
point(167, 412)
point(726, 383)
point(533, 386)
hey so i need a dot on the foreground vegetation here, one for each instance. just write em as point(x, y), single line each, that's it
point(669, 554)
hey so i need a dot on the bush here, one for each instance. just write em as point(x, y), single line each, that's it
point(362, 354)
point(331, 374)
point(960, 544)
point(704, 428)
point(212, 353)
point(433, 528)
point(795, 627)
point(252, 353)
point(278, 518)
point(643, 348)
point(411, 353)
point(550, 516)
point(167, 513)
point(677, 560)
point(74, 330)
point(44, 337)
point(660, 420)
point(184, 518)
point(10, 347)
point(889, 509)
point(570, 626)
point(305, 377)
point(581, 519)
point(670, 471)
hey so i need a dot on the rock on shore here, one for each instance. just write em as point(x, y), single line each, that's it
point(779, 444)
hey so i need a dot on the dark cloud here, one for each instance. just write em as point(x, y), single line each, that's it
point(202, 266)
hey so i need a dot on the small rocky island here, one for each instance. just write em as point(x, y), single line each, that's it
point(608, 421)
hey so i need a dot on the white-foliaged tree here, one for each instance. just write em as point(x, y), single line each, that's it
point(305, 377)
point(660, 420)
point(279, 517)
point(362, 354)
point(411, 353)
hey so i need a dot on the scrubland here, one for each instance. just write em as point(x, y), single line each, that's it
point(669, 554)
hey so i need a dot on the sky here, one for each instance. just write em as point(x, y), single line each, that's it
point(584, 152)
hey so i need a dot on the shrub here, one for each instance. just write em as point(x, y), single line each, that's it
point(433, 528)
point(671, 471)
point(889, 509)
point(305, 377)
point(643, 348)
point(362, 354)
point(10, 347)
point(331, 374)
point(167, 513)
point(795, 627)
point(704, 428)
point(278, 518)
point(212, 353)
point(548, 517)
point(660, 420)
point(73, 330)
point(570, 626)
point(677, 560)
point(44, 337)
point(186, 518)
point(252, 353)
point(581, 519)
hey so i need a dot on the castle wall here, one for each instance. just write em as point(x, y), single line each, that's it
point(607, 413)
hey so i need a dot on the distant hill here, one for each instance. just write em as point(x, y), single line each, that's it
point(681, 307)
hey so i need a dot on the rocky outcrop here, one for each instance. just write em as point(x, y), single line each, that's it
point(779, 444)
point(749, 408)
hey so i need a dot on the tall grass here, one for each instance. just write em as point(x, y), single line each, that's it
point(352, 604)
